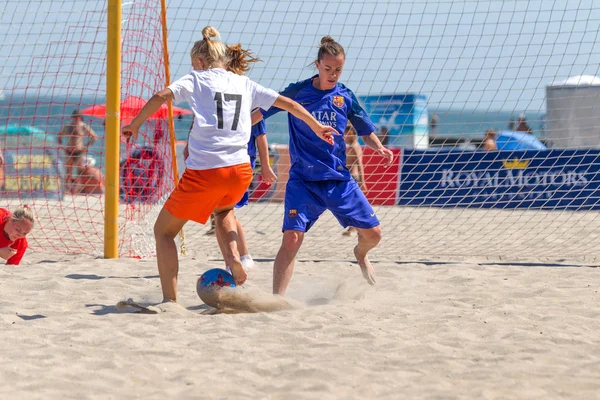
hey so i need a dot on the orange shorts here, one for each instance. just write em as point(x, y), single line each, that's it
point(199, 193)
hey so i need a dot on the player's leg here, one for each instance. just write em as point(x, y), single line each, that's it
point(303, 206)
point(237, 179)
point(194, 198)
point(245, 256)
point(227, 230)
point(212, 229)
point(246, 259)
point(242, 243)
point(367, 240)
point(356, 176)
point(351, 208)
point(220, 241)
point(283, 268)
point(349, 231)
point(167, 226)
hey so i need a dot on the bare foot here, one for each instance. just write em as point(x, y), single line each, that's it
point(238, 272)
point(365, 266)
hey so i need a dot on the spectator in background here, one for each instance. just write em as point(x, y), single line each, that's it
point(489, 140)
point(522, 125)
point(384, 135)
point(159, 133)
point(354, 163)
point(90, 179)
point(72, 139)
point(15, 227)
point(511, 124)
point(433, 124)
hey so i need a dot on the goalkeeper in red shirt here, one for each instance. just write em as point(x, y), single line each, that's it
point(15, 227)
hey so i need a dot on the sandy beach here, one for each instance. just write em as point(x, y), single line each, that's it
point(460, 330)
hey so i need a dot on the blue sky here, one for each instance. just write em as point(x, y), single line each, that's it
point(483, 55)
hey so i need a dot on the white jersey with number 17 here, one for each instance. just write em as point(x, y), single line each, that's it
point(222, 103)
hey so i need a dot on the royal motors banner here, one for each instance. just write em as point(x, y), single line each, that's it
point(550, 179)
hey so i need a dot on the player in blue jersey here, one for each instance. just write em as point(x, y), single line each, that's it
point(319, 179)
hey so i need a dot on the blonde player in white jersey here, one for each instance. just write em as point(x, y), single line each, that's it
point(218, 168)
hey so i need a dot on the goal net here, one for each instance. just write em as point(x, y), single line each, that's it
point(489, 107)
point(53, 80)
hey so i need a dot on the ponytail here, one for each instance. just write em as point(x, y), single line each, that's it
point(238, 59)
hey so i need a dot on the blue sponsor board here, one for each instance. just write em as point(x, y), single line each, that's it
point(551, 179)
point(32, 173)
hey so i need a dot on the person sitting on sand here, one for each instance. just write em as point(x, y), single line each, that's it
point(90, 179)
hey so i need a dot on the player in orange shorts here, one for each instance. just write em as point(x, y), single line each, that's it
point(218, 167)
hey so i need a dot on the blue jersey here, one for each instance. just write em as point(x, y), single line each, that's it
point(257, 130)
point(312, 158)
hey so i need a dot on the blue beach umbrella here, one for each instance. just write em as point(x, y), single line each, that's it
point(512, 140)
point(14, 129)
point(25, 130)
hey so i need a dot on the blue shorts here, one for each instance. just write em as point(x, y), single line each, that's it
point(244, 201)
point(305, 201)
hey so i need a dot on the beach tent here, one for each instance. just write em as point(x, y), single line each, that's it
point(572, 117)
point(512, 140)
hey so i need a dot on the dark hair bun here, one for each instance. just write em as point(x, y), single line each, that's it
point(327, 39)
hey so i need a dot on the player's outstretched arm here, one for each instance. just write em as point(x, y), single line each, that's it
point(373, 142)
point(149, 108)
point(324, 132)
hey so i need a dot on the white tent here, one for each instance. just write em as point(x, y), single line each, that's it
point(573, 112)
point(578, 80)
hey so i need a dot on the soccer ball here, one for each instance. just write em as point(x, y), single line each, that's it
point(211, 282)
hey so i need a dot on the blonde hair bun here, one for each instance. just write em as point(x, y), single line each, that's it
point(209, 32)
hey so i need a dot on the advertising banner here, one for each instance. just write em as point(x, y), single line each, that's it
point(401, 119)
point(550, 179)
point(31, 172)
point(382, 182)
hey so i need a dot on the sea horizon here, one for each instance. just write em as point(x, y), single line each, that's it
point(50, 113)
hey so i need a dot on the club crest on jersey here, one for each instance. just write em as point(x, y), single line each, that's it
point(293, 213)
point(338, 101)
